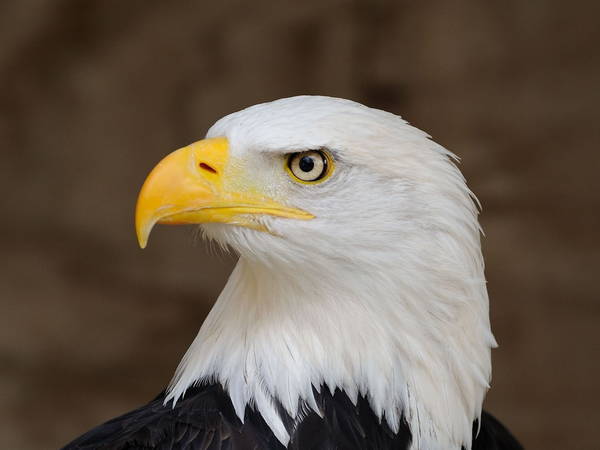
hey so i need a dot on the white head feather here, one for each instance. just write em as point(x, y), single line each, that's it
point(382, 294)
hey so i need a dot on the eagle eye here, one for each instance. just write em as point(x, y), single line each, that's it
point(311, 166)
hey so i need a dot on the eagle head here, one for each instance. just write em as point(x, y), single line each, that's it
point(360, 265)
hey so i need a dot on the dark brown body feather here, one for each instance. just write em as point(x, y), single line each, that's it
point(205, 419)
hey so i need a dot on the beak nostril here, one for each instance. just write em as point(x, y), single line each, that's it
point(207, 167)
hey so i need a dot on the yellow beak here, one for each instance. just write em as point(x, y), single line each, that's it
point(190, 186)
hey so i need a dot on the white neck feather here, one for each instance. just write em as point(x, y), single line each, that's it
point(416, 343)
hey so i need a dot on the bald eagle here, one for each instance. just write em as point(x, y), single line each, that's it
point(357, 315)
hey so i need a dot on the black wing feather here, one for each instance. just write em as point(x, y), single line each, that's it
point(204, 419)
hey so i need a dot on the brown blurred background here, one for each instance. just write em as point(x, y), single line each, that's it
point(94, 93)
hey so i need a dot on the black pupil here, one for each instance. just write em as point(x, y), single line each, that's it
point(306, 164)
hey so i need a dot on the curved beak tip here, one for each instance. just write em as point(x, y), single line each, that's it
point(142, 231)
point(142, 239)
point(142, 243)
